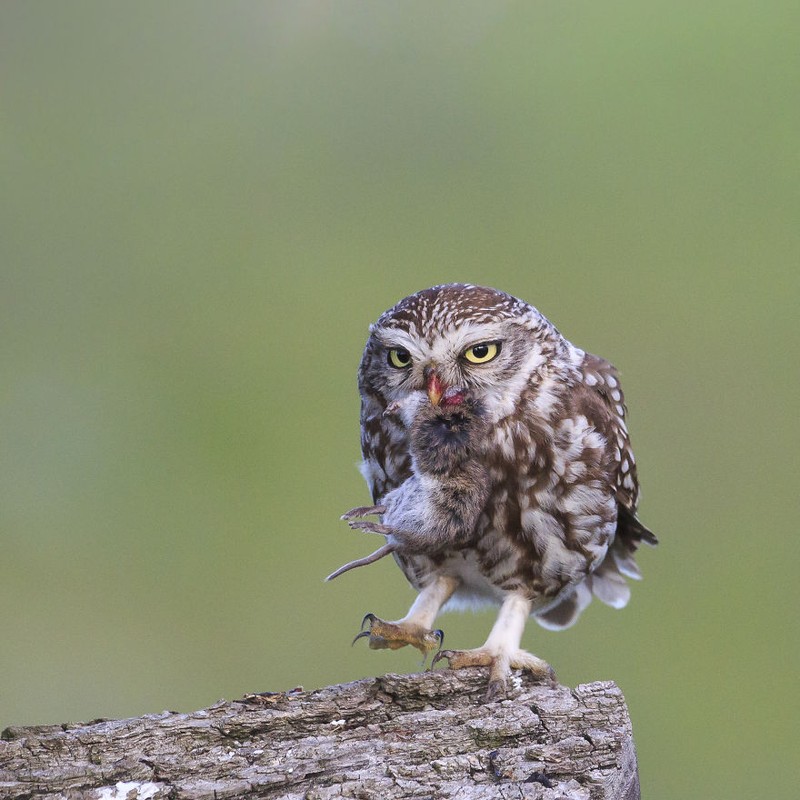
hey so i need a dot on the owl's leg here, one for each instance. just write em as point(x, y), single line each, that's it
point(415, 627)
point(501, 651)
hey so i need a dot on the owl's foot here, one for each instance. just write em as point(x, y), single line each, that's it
point(500, 666)
point(394, 635)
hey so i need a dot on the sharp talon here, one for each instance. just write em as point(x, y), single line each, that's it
point(360, 636)
point(369, 617)
point(495, 691)
point(438, 634)
point(441, 655)
point(365, 633)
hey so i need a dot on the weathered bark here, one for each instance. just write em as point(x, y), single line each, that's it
point(429, 735)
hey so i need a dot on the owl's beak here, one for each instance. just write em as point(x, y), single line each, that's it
point(434, 386)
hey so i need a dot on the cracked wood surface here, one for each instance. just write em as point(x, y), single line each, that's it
point(428, 735)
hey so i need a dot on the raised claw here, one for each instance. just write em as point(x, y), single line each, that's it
point(359, 636)
point(394, 635)
point(368, 617)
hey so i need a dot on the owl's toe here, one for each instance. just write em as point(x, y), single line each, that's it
point(480, 657)
point(384, 635)
point(500, 665)
point(533, 665)
point(459, 659)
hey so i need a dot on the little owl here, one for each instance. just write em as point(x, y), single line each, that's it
point(500, 466)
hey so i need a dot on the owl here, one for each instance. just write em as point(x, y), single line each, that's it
point(501, 473)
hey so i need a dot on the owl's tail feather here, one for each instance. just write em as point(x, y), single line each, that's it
point(607, 582)
point(362, 562)
point(631, 530)
point(566, 612)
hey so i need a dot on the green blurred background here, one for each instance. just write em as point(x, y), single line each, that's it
point(205, 204)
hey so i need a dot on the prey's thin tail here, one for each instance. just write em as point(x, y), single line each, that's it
point(362, 562)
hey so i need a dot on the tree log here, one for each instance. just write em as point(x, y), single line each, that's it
point(429, 735)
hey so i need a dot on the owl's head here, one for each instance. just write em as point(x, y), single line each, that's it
point(458, 336)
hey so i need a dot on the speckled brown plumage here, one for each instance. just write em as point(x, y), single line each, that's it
point(556, 519)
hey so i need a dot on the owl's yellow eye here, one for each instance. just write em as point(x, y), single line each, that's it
point(481, 353)
point(399, 357)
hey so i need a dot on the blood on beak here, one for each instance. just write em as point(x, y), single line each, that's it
point(434, 386)
point(453, 396)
